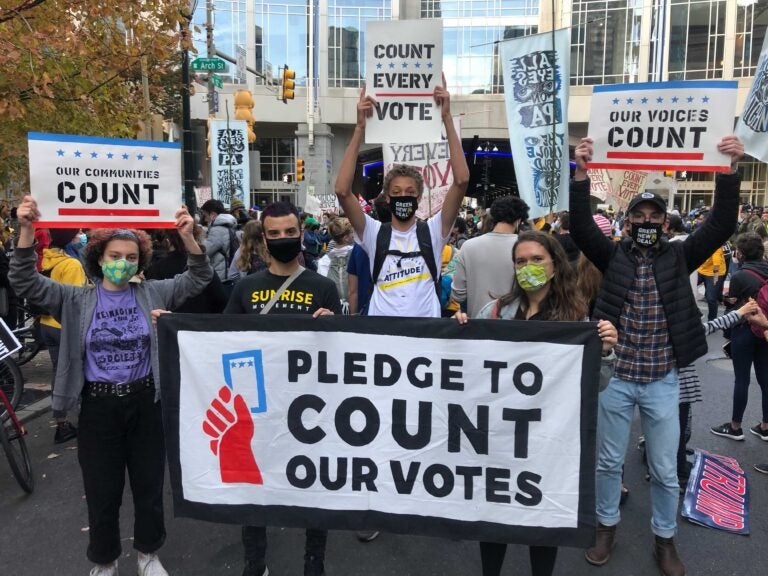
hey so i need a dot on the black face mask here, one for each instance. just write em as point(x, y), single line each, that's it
point(646, 234)
point(403, 207)
point(284, 249)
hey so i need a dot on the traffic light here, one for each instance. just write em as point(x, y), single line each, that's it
point(243, 107)
point(289, 83)
point(299, 169)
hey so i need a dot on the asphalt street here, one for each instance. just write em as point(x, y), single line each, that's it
point(46, 533)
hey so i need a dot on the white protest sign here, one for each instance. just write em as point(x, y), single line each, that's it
point(91, 182)
point(230, 163)
point(662, 125)
point(404, 64)
point(488, 424)
point(752, 128)
point(433, 160)
point(599, 184)
point(8, 341)
point(536, 74)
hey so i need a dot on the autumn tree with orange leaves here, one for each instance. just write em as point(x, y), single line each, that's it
point(74, 67)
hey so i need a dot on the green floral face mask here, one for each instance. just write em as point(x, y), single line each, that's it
point(531, 277)
point(119, 271)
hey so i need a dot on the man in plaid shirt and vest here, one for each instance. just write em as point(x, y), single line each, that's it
point(646, 293)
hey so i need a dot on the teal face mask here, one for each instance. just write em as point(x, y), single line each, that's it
point(119, 271)
point(531, 277)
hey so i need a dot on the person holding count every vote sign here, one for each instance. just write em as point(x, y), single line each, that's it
point(120, 425)
point(545, 289)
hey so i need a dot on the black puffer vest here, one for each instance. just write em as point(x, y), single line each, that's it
point(672, 281)
point(672, 265)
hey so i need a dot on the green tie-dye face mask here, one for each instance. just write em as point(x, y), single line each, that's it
point(119, 271)
point(531, 277)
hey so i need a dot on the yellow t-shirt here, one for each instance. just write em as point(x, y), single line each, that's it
point(716, 260)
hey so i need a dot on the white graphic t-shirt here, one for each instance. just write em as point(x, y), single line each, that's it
point(404, 286)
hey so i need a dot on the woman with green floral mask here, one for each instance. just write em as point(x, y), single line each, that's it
point(111, 368)
point(545, 289)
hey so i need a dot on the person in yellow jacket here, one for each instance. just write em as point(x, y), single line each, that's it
point(62, 268)
point(711, 271)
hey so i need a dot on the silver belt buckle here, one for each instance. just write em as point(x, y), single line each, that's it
point(120, 394)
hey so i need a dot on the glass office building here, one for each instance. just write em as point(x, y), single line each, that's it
point(612, 41)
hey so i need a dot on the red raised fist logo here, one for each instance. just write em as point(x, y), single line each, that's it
point(228, 421)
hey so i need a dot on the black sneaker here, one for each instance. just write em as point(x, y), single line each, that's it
point(759, 432)
point(727, 432)
point(314, 566)
point(65, 431)
point(367, 535)
point(762, 468)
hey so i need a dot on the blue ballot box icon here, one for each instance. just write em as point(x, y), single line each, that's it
point(244, 375)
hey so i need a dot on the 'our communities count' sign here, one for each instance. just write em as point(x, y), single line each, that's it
point(89, 182)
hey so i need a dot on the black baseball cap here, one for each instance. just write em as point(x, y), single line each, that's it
point(651, 197)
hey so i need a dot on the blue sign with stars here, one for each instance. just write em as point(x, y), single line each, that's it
point(94, 182)
point(662, 125)
point(244, 375)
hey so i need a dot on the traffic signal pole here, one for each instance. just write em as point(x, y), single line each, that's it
point(186, 121)
point(211, 54)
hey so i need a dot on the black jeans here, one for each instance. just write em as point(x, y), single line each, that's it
point(746, 350)
point(51, 338)
point(542, 558)
point(682, 445)
point(118, 433)
point(255, 545)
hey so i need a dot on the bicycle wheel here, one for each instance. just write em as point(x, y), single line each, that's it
point(27, 332)
point(12, 385)
point(18, 457)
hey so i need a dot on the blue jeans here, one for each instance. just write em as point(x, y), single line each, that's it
point(710, 295)
point(659, 416)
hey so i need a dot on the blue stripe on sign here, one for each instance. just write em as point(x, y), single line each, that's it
point(99, 140)
point(676, 85)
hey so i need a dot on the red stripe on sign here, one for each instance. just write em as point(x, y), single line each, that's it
point(657, 155)
point(104, 224)
point(404, 94)
point(107, 212)
point(636, 166)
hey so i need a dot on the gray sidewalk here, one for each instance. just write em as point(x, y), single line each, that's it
point(46, 533)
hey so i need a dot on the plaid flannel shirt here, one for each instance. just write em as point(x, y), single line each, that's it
point(643, 351)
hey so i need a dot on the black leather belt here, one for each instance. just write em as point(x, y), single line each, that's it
point(100, 389)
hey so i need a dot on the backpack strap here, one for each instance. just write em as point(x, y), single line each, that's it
point(382, 246)
point(424, 239)
point(425, 245)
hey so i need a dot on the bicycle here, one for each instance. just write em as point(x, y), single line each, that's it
point(27, 332)
point(12, 434)
point(11, 385)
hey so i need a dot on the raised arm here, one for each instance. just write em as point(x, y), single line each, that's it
point(588, 237)
point(455, 195)
point(343, 188)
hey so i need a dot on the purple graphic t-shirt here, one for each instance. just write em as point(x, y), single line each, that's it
point(117, 344)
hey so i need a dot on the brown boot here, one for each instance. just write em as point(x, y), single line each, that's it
point(666, 557)
point(600, 553)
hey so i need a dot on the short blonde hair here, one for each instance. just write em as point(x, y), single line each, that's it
point(339, 227)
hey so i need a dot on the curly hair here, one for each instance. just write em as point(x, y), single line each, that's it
point(252, 244)
point(403, 170)
point(563, 301)
point(97, 245)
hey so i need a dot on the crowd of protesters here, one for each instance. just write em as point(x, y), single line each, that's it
point(636, 273)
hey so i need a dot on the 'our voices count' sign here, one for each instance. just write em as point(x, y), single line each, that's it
point(478, 432)
point(662, 125)
point(88, 182)
point(404, 64)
